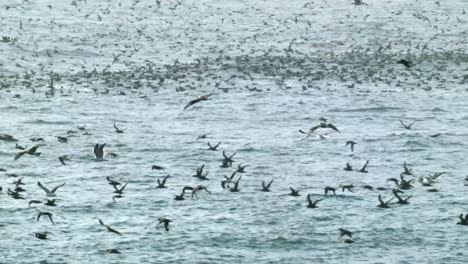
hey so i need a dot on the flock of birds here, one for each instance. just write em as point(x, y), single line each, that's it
point(230, 183)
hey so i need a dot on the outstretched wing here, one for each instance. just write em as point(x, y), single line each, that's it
point(43, 187)
point(56, 188)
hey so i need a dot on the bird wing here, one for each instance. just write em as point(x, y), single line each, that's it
point(101, 223)
point(43, 188)
point(217, 144)
point(164, 180)
point(333, 127)
point(312, 129)
point(19, 154)
point(192, 102)
point(56, 188)
point(308, 199)
point(401, 121)
point(269, 184)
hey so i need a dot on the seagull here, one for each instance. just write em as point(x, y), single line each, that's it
point(30, 151)
point(351, 143)
point(407, 126)
point(117, 130)
point(99, 151)
point(49, 193)
point(198, 99)
point(294, 192)
point(312, 204)
point(165, 221)
point(382, 203)
point(266, 187)
point(161, 184)
point(110, 229)
point(46, 214)
point(213, 148)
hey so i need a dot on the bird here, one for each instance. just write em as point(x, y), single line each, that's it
point(344, 232)
point(63, 158)
point(407, 170)
point(351, 143)
point(463, 221)
point(117, 130)
point(294, 192)
point(348, 167)
point(30, 151)
point(113, 251)
point(241, 169)
point(112, 182)
point(407, 126)
point(266, 187)
point(312, 204)
point(400, 200)
point(110, 229)
point(165, 221)
point(330, 189)
point(322, 124)
point(363, 169)
point(228, 180)
point(382, 203)
point(34, 202)
point(204, 136)
point(99, 151)
point(120, 191)
point(406, 63)
point(199, 173)
point(215, 147)
point(197, 100)
point(48, 214)
point(367, 187)
point(161, 184)
point(348, 187)
point(195, 190)
point(228, 159)
point(41, 235)
point(50, 202)
point(236, 186)
point(49, 193)
point(82, 127)
point(435, 135)
point(156, 167)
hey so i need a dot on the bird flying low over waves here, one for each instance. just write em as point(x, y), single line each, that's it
point(198, 99)
point(30, 151)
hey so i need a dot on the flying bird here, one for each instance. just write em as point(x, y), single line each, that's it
point(49, 193)
point(99, 151)
point(110, 229)
point(197, 100)
point(30, 151)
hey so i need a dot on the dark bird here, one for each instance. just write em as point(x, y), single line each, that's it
point(50, 202)
point(117, 130)
point(62, 139)
point(463, 221)
point(197, 100)
point(213, 148)
point(162, 184)
point(62, 159)
point(400, 200)
point(156, 167)
point(165, 221)
point(404, 184)
point(112, 182)
point(195, 190)
point(348, 167)
point(407, 126)
point(34, 202)
point(113, 251)
point(312, 204)
point(82, 127)
point(204, 136)
point(236, 186)
point(322, 124)
point(19, 147)
point(49, 193)
point(14, 194)
point(435, 135)
point(30, 151)
point(363, 169)
point(351, 143)
point(228, 180)
point(120, 191)
point(348, 187)
point(344, 232)
point(367, 187)
point(294, 192)
point(266, 187)
point(110, 229)
point(382, 203)
point(241, 169)
point(46, 214)
point(407, 63)
point(199, 173)
point(407, 170)
point(99, 151)
point(228, 159)
point(180, 197)
point(330, 189)
point(41, 235)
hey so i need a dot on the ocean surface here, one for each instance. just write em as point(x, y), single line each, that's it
point(273, 67)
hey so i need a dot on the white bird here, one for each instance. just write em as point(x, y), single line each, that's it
point(49, 193)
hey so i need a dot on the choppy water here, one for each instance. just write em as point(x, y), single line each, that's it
point(341, 65)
